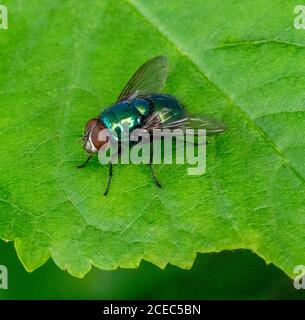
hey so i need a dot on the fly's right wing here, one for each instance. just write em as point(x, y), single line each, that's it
point(149, 78)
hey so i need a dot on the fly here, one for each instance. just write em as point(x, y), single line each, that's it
point(141, 105)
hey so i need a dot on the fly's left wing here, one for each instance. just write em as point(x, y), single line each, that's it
point(149, 78)
point(211, 125)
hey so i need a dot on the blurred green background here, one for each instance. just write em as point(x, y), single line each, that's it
point(226, 275)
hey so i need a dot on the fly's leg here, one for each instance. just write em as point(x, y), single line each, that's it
point(85, 163)
point(195, 143)
point(153, 174)
point(109, 179)
point(110, 170)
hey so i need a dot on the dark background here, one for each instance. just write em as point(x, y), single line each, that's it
point(227, 275)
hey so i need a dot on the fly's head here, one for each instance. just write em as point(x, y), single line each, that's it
point(93, 137)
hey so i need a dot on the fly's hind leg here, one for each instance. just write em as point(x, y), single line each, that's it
point(109, 179)
point(153, 174)
point(195, 143)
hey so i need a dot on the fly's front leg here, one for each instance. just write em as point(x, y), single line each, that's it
point(110, 170)
point(85, 163)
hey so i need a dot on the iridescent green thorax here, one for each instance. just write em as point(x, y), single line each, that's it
point(126, 115)
point(132, 113)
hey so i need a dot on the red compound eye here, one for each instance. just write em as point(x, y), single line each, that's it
point(98, 137)
point(90, 124)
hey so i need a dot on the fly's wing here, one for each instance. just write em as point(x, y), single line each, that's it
point(211, 125)
point(149, 78)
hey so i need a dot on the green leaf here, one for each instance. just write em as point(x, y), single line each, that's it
point(62, 62)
